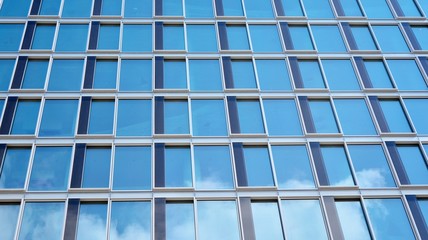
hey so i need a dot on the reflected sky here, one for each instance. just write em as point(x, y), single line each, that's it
point(267, 223)
point(217, 220)
point(352, 220)
point(8, 218)
point(180, 223)
point(130, 221)
point(92, 221)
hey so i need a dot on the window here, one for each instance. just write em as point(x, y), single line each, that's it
point(413, 163)
point(50, 7)
point(293, 168)
point(11, 37)
point(101, 117)
point(221, 225)
point(9, 216)
point(173, 37)
point(201, 38)
point(43, 37)
point(13, 171)
point(26, 115)
point(322, 116)
point(423, 205)
point(300, 38)
point(108, 37)
point(172, 8)
point(265, 38)
point(111, 7)
point(418, 113)
point(292, 8)
point(354, 117)
point(66, 75)
point(363, 38)
point(237, 37)
point(394, 115)
point(35, 74)
point(72, 37)
point(243, 74)
point(421, 33)
point(258, 8)
point(134, 118)
point(377, 9)
point(336, 166)
point(273, 75)
point(406, 75)
point(258, 166)
point(205, 75)
point(351, 8)
point(176, 117)
point(328, 38)
point(282, 117)
point(378, 74)
point(208, 118)
point(409, 8)
point(179, 220)
point(96, 168)
point(138, 8)
point(232, 8)
point(50, 169)
point(132, 168)
point(250, 109)
point(318, 9)
point(105, 74)
point(13, 8)
point(267, 222)
point(6, 70)
point(423, 4)
point(390, 39)
point(178, 167)
point(352, 220)
point(199, 9)
point(310, 72)
point(77, 8)
point(59, 118)
point(135, 75)
point(92, 221)
point(340, 74)
point(174, 74)
point(137, 38)
point(130, 220)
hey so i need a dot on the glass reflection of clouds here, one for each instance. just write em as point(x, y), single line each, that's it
point(8, 218)
point(217, 220)
point(92, 221)
point(352, 220)
point(267, 223)
point(130, 221)
point(180, 221)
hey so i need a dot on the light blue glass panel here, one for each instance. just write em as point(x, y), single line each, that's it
point(11, 37)
point(311, 74)
point(243, 74)
point(267, 222)
point(50, 169)
point(257, 166)
point(77, 8)
point(407, 75)
point(92, 221)
point(101, 117)
point(417, 109)
point(138, 8)
point(66, 75)
point(265, 38)
point(137, 38)
point(130, 220)
point(108, 37)
point(111, 7)
point(59, 118)
point(174, 74)
point(388, 219)
point(233, 8)
point(208, 118)
point(42, 220)
point(180, 223)
point(292, 8)
point(135, 75)
point(205, 75)
point(292, 167)
point(421, 34)
point(237, 37)
point(173, 37)
point(201, 38)
point(424, 5)
point(351, 7)
point(337, 166)
point(14, 169)
point(72, 38)
point(352, 220)
point(340, 75)
point(43, 37)
point(258, 8)
point(6, 70)
point(199, 9)
point(250, 110)
point(378, 74)
point(35, 74)
point(414, 164)
point(273, 75)
point(221, 225)
point(376, 9)
point(390, 39)
point(176, 117)
point(409, 8)
point(13, 8)
point(26, 115)
point(300, 37)
point(395, 116)
point(1, 105)
point(132, 168)
point(134, 118)
point(50, 7)
point(172, 7)
point(323, 116)
point(354, 117)
point(328, 38)
point(363, 38)
point(213, 167)
point(8, 217)
point(282, 117)
point(96, 168)
point(371, 166)
point(318, 9)
point(307, 213)
point(105, 74)
point(178, 167)
point(423, 205)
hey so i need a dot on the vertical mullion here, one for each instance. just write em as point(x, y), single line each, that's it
point(349, 36)
point(158, 35)
point(363, 72)
point(29, 34)
point(417, 216)
point(219, 7)
point(307, 115)
point(227, 71)
point(71, 219)
point(159, 69)
point(295, 71)
point(159, 115)
point(159, 165)
point(397, 8)
point(35, 8)
point(319, 164)
point(160, 219)
point(84, 115)
point(2, 155)
point(222, 32)
point(19, 72)
point(398, 164)
point(333, 218)
point(279, 8)
point(9, 113)
point(411, 36)
point(93, 37)
point(247, 218)
point(79, 156)
point(241, 174)
point(97, 7)
point(286, 35)
point(380, 117)
point(233, 115)
point(89, 73)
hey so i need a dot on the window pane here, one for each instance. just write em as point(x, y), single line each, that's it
point(257, 166)
point(351, 7)
point(217, 220)
point(173, 37)
point(174, 74)
point(409, 8)
point(265, 38)
point(72, 38)
point(134, 118)
point(13, 172)
point(323, 116)
point(59, 118)
point(50, 169)
point(201, 38)
point(292, 165)
point(172, 8)
point(199, 8)
point(50, 7)
point(352, 220)
point(282, 117)
point(176, 114)
point(208, 118)
point(328, 38)
point(354, 117)
point(136, 75)
point(42, 220)
point(213, 167)
point(389, 219)
point(178, 167)
point(6, 70)
point(130, 220)
point(237, 37)
point(180, 221)
point(26, 115)
point(414, 164)
point(35, 74)
point(205, 75)
point(300, 38)
point(293, 8)
point(424, 5)
point(137, 38)
point(390, 39)
point(337, 166)
point(13, 8)
point(406, 75)
point(258, 8)
point(243, 74)
point(92, 220)
point(423, 205)
point(105, 74)
point(318, 9)
point(101, 117)
point(303, 220)
point(250, 110)
point(8, 217)
point(273, 75)
point(340, 75)
point(417, 109)
point(138, 8)
point(77, 8)
point(395, 116)
point(267, 223)
point(66, 75)
point(108, 37)
point(11, 36)
point(96, 169)
point(111, 7)
point(376, 9)
point(311, 74)
point(43, 37)
point(421, 33)
point(363, 38)
point(132, 168)
point(379, 77)
point(233, 8)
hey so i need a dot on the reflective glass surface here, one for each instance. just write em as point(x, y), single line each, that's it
point(378, 74)
point(363, 38)
point(138, 8)
point(11, 37)
point(395, 116)
point(176, 117)
point(96, 168)
point(59, 118)
point(135, 75)
point(180, 221)
point(66, 75)
point(132, 168)
point(243, 74)
point(377, 9)
point(414, 163)
point(328, 38)
point(390, 39)
point(201, 38)
point(13, 171)
point(137, 38)
point(43, 37)
point(6, 70)
point(293, 8)
point(72, 37)
point(258, 8)
point(417, 109)
point(257, 166)
point(237, 37)
point(205, 75)
point(273, 75)
point(300, 37)
point(282, 117)
point(221, 225)
point(340, 75)
point(105, 74)
point(35, 74)
point(178, 167)
point(108, 37)
point(352, 220)
point(406, 75)
point(265, 38)
point(172, 7)
point(173, 37)
point(92, 220)
point(233, 8)
point(354, 117)
point(337, 166)
point(318, 9)
point(421, 33)
point(267, 223)
point(26, 115)
point(13, 8)
point(8, 217)
point(130, 220)
point(101, 117)
point(248, 109)
point(174, 74)
point(111, 7)
point(50, 7)
point(134, 118)
point(409, 8)
point(208, 118)
point(323, 116)
point(351, 7)
point(199, 9)
point(310, 72)
point(423, 205)
point(77, 8)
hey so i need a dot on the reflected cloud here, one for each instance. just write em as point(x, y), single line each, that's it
point(296, 183)
point(91, 227)
point(213, 182)
point(373, 177)
point(8, 220)
point(217, 220)
point(42, 221)
point(352, 220)
point(132, 231)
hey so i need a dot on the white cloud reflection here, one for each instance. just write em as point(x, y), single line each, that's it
point(91, 227)
point(132, 231)
point(8, 219)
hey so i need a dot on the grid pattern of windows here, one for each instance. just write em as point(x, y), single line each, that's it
point(213, 119)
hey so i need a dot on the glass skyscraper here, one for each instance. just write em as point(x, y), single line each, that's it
point(213, 119)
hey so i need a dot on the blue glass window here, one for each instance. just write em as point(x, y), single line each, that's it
point(423, 205)
point(378, 74)
point(237, 37)
point(258, 8)
point(201, 38)
point(266, 219)
point(337, 166)
point(352, 220)
point(6, 70)
point(409, 8)
point(310, 71)
point(199, 9)
point(300, 37)
point(101, 117)
point(132, 168)
point(11, 37)
point(354, 117)
point(72, 38)
point(328, 38)
point(173, 37)
point(108, 37)
point(137, 38)
point(50, 169)
point(293, 168)
point(130, 220)
point(96, 169)
point(180, 221)
point(178, 167)
point(77, 8)
point(363, 38)
point(111, 7)
point(390, 39)
point(105, 74)
point(43, 37)
point(172, 7)
point(424, 5)
point(13, 172)
point(249, 109)
point(258, 166)
point(174, 74)
point(273, 75)
point(292, 8)
point(176, 115)
point(134, 118)
point(340, 75)
point(282, 117)
point(414, 163)
point(138, 8)
point(221, 225)
point(26, 115)
point(407, 75)
point(66, 75)
point(265, 38)
point(135, 75)
point(395, 116)
point(92, 221)
point(50, 7)
point(421, 34)
point(233, 8)
point(417, 109)
point(351, 7)
point(208, 118)
point(318, 9)
point(9, 211)
point(35, 74)
point(323, 116)
point(59, 118)
point(243, 74)
point(376, 9)
point(205, 75)
point(13, 8)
